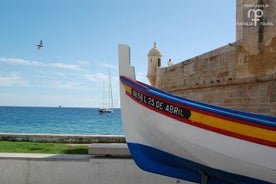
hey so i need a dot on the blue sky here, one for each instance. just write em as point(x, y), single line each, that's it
point(81, 40)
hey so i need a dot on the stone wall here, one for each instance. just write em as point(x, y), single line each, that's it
point(63, 138)
point(217, 66)
point(250, 95)
point(240, 75)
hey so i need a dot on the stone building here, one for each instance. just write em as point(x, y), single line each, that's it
point(154, 62)
point(240, 75)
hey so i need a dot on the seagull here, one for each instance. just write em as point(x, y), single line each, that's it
point(39, 45)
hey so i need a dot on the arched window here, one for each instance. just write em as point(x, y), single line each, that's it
point(159, 62)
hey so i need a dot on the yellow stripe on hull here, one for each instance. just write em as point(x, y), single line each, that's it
point(235, 127)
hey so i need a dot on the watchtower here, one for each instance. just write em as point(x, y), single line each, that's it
point(154, 62)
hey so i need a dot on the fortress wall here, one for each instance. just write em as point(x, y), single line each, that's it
point(219, 86)
point(244, 95)
point(241, 75)
point(213, 67)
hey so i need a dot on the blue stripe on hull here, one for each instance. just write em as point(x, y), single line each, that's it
point(160, 162)
point(250, 117)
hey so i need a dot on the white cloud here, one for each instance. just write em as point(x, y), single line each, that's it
point(60, 74)
point(38, 64)
point(109, 66)
point(96, 77)
point(12, 80)
point(65, 66)
point(16, 99)
point(72, 85)
point(82, 62)
point(18, 61)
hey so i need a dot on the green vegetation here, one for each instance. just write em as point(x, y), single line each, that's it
point(36, 147)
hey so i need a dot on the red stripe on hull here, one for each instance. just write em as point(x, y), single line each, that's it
point(206, 127)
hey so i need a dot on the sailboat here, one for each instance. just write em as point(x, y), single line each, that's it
point(109, 107)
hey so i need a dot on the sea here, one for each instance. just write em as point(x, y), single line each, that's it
point(59, 120)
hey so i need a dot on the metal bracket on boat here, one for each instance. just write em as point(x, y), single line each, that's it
point(204, 177)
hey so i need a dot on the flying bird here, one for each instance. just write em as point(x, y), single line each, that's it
point(40, 45)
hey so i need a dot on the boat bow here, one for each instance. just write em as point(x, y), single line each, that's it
point(185, 139)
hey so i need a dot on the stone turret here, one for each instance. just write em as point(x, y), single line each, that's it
point(154, 62)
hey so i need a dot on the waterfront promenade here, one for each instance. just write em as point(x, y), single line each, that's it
point(104, 165)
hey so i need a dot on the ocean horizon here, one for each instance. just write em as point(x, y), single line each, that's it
point(59, 120)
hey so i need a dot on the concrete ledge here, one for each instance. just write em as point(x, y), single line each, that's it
point(72, 169)
point(63, 138)
point(114, 149)
point(44, 157)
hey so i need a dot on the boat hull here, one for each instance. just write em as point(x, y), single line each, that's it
point(194, 141)
point(105, 110)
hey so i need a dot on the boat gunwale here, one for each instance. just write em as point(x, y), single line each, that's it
point(243, 135)
point(220, 112)
point(235, 134)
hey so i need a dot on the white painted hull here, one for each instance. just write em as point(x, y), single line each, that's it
point(198, 145)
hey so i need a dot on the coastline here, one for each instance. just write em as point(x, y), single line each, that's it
point(63, 138)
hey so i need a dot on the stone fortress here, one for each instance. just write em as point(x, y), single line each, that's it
point(240, 75)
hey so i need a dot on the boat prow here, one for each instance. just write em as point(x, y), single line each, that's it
point(193, 141)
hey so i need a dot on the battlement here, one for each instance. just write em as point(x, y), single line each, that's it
point(240, 75)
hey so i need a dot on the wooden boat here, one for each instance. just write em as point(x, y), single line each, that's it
point(193, 141)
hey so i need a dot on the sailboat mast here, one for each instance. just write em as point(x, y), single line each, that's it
point(107, 108)
point(103, 95)
point(110, 92)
